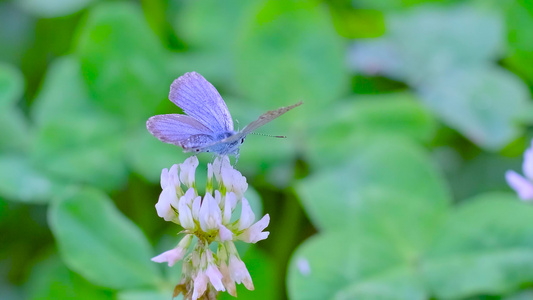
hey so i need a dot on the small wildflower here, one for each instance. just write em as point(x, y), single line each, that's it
point(523, 186)
point(209, 218)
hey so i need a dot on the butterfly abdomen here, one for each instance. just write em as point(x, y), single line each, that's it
point(197, 141)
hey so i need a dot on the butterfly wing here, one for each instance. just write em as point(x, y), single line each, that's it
point(200, 99)
point(262, 120)
point(180, 130)
point(267, 117)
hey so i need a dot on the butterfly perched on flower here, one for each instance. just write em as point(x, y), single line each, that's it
point(207, 125)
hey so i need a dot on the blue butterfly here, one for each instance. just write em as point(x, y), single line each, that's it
point(208, 126)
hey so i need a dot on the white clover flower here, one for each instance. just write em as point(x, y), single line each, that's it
point(208, 218)
point(523, 186)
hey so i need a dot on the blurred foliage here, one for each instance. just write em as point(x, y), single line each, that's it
point(390, 184)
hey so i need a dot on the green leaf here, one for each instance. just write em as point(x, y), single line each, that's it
point(432, 39)
point(429, 40)
point(348, 123)
point(123, 61)
point(333, 196)
point(147, 295)
point(225, 22)
point(148, 156)
point(485, 247)
point(50, 279)
point(74, 139)
point(484, 104)
point(351, 265)
point(63, 92)
point(98, 242)
point(523, 295)
point(289, 52)
point(21, 181)
point(395, 4)
point(53, 8)
point(519, 17)
point(11, 85)
point(15, 132)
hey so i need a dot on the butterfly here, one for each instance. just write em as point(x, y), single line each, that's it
point(207, 125)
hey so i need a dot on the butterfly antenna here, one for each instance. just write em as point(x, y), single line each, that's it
point(274, 136)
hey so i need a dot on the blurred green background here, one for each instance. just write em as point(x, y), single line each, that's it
point(390, 184)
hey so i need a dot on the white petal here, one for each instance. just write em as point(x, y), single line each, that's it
point(173, 175)
point(239, 273)
point(255, 232)
point(164, 178)
point(224, 233)
point(209, 172)
point(527, 165)
point(226, 279)
point(226, 217)
point(215, 277)
point(167, 200)
point(232, 199)
point(170, 256)
point(218, 197)
point(522, 186)
point(210, 215)
point(217, 165)
point(247, 215)
point(239, 184)
point(189, 196)
point(185, 214)
point(200, 285)
point(196, 207)
point(188, 170)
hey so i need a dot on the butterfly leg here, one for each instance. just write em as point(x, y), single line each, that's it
point(236, 157)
